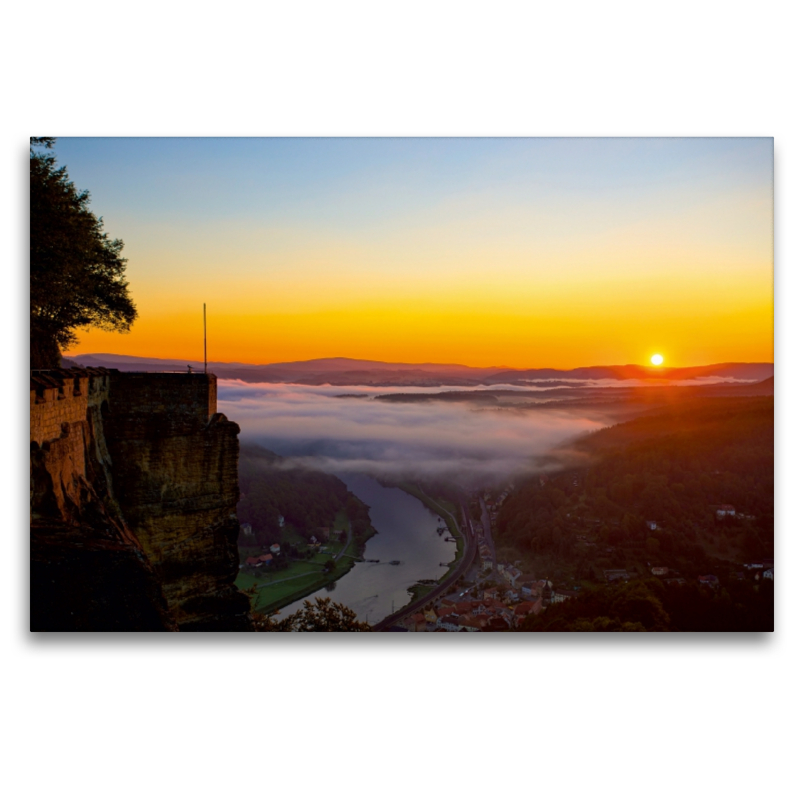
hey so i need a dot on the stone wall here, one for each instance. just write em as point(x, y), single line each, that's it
point(138, 460)
point(165, 393)
point(62, 397)
point(88, 571)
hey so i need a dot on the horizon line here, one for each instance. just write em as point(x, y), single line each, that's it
point(656, 369)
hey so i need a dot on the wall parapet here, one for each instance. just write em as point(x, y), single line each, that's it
point(63, 396)
point(164, 393)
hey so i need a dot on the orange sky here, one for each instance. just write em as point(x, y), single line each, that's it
point(524, 253)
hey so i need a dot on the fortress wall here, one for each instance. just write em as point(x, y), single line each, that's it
point(143, 458)
point(63, 397)
point(182, 393)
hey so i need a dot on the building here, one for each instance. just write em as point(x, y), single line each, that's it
point(523, 609)
point(417, 622)
point(660, 570)
point(259, 561)
point(467, 622)
point(449, 623)
point(560, 595)
point(724, 511)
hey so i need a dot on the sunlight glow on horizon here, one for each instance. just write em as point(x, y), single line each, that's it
point(521, 253)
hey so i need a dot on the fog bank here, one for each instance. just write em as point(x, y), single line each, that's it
point(314, 427)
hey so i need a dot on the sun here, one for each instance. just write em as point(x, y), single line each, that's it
point(657, 360)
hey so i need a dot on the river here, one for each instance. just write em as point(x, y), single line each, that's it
point(406, 533)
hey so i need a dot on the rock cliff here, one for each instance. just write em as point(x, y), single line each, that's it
point(134, 484)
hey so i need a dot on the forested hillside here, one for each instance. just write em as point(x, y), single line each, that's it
point(305, 498)
point(671, 469)
point(651, 605)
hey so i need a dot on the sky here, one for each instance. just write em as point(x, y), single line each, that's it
point(487, 252)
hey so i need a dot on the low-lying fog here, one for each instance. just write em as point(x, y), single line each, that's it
point(315, 427)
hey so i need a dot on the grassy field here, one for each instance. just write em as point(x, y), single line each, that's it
point(418, 591)
point(300, 578)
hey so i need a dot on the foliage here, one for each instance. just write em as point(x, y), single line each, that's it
point(320, 615)
point(76, 271)
point(651, 605)
point(672, 467)
point(307, 499)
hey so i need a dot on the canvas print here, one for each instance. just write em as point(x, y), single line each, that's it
point(496, 385)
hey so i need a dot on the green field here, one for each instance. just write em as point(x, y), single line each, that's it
point(418, 591)
point(272, 590)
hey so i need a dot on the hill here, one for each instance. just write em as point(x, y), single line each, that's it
point(351, 372)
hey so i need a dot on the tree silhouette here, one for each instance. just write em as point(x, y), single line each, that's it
point(77, 272)
point(320, 615)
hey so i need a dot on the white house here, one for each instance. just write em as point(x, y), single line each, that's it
point(449, 623)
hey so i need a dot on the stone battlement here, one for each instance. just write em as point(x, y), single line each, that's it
point(164, 393)
point(63, 396)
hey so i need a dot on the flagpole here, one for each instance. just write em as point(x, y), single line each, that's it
point(205, 348)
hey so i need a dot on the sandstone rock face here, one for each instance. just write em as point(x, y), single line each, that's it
point(141, 484)
point(88, 570)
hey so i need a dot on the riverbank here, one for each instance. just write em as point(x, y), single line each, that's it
point(447, 511)
point(408, 550)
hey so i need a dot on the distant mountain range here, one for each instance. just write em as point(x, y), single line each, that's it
point(356, 372)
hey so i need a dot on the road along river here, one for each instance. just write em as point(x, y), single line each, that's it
point(406, 533)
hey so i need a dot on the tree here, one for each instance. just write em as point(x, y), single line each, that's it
point(321, 615)
point(77, 272)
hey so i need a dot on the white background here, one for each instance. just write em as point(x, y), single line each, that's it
point(397, 717)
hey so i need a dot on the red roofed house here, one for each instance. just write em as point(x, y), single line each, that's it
point(417, 622)
point(481, 621)
point(257, 561)
point(529, 607)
